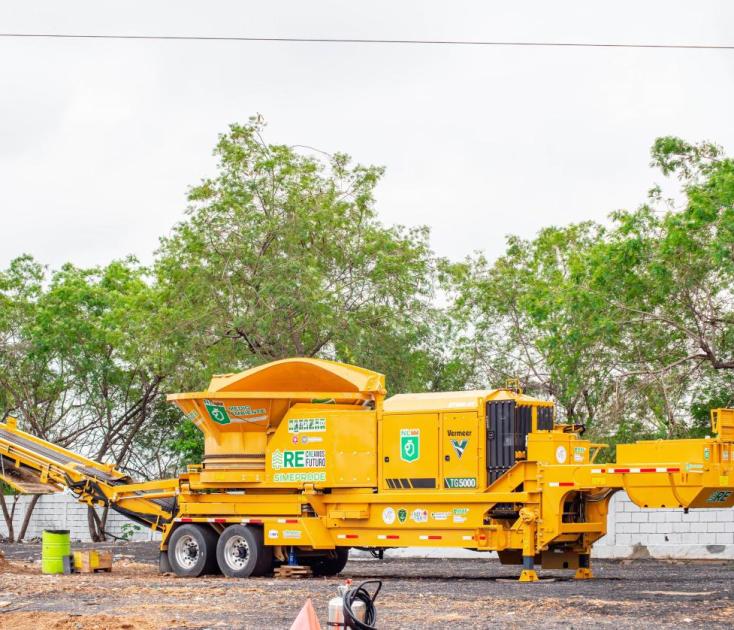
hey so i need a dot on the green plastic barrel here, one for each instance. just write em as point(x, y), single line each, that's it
point(56, 545)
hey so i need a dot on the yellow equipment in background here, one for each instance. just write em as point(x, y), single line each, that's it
point(306, 458)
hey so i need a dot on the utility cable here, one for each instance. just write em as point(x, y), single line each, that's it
point(356, 40)
point(360, 593)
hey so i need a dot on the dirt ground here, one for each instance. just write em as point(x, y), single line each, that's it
point(416, 594)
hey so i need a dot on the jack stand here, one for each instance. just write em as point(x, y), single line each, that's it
point(528, 570)
point(584, 570)
point(529, 518)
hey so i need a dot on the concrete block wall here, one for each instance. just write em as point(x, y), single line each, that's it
point(630, 530)
point(703, 534)
point(62, 511)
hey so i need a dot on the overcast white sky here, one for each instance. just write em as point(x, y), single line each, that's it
point(99, 140)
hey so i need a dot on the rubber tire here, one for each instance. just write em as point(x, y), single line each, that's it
point(206, 538)
point(164, 564)
point(331, 565)
point(260, 560)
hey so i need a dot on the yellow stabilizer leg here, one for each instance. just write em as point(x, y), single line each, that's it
point(584, 570)
point(528, 575)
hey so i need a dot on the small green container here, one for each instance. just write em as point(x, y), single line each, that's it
point(56, 545)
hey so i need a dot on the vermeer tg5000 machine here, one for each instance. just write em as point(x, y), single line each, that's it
point(306, 457)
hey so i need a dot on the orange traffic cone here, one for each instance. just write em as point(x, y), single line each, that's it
point(307, 619)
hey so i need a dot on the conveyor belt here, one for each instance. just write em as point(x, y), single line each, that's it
point(27, 475)
point(63, 459)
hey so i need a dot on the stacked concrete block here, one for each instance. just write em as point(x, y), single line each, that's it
point(703, 534)
point(62, 511)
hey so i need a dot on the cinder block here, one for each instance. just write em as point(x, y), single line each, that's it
point(715, 527)
point(639, 517)
point(726, 516)
point(674, 516)
point(656, 517)
point(688, 539)
point(724, 539)
point(648, 528)
point(622, 517)
point(699, 527)
point(627, 528)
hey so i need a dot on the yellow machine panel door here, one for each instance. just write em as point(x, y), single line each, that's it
point(410, 451)
point(460, 451)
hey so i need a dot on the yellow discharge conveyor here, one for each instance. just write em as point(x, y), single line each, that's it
point(306, 458)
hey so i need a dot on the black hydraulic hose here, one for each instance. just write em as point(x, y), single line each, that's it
point(360, 593)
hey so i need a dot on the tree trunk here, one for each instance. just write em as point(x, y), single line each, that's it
point(97, 524)
point(27, 518)
point(8, 516)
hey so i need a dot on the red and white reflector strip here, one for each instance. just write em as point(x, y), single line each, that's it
point(613, 471)
point(288, 520)
point(467, 538)
point(216, 520)
point(184, 519)
point(387, 537)
point(252, 521)
point(561, 484)
point(347, 536)
point(430, 537)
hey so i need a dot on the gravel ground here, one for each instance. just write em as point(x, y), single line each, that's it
point(426, 593)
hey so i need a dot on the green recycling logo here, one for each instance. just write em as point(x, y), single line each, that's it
point(276, 459)
point(217, 412)
point(410, 444)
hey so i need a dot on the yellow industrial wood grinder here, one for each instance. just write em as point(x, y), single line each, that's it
point(306, 458)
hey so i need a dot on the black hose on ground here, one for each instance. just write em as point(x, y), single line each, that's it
point(360, 593)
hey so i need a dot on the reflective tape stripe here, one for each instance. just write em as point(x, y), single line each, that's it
point(467, 538)
point(658, 469)
point(388, 536)
point(216, 520)
point(185, 520)
point(345, 536)
point(252, 521)
point(561, 484)
point(287, 520)
point(430, 537)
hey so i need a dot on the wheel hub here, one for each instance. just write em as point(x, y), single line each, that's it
point(187, 551)
point(236, 552)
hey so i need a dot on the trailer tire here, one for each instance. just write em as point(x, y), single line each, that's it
point(164, 564)
point(242, 553)
point(192, 550)
point(331, 565)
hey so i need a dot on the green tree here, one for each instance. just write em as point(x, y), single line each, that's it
point(530, 317)
point(79, 364)
point(666, 275)
point(623, 326)
point(282, 255)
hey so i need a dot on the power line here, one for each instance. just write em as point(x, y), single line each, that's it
point(348, 40)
